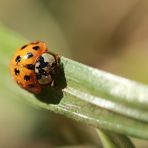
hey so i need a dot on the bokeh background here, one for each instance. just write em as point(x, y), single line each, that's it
point(109, 35)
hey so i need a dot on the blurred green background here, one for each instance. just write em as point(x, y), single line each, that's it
point(109, 35)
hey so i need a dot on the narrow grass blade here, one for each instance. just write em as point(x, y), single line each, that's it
point(113, 140)
point(85, 94)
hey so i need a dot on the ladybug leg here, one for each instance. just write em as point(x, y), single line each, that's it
point(52, 83)
point(57, 62)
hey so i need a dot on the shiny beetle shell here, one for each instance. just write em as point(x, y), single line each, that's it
point(33, 66)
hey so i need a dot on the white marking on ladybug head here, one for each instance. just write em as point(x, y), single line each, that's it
point(43, 67)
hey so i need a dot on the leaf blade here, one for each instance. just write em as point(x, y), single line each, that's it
point(113, 140)
point(92, 96)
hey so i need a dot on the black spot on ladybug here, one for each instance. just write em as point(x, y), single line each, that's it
point(30, 66)
point(24, 46)
point(27, 78)
point(16, 72)
point(18, 59)
point(29, 55)
point(36, 47)
point(31, 85)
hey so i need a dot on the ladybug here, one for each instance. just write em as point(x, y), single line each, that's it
point(33, 66)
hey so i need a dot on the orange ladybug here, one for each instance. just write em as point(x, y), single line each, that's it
point(33, 66)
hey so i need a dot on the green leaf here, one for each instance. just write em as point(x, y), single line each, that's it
point(113, 140)
point(85, 94)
